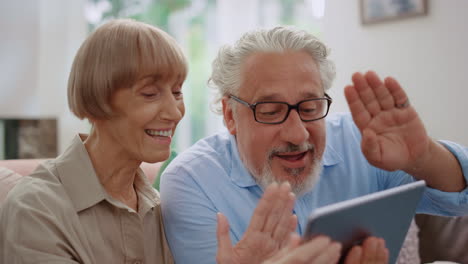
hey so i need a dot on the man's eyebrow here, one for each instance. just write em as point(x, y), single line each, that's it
point(270, 97)
point(312, 95)
point(277, 97)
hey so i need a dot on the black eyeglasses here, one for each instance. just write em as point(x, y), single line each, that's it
point(277, 112)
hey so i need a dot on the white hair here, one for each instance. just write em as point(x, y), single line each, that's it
point(226, 68)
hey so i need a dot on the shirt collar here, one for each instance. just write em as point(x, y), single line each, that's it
point(241, 176)
point(331, 156)
point(79, 178)
point(148, 197)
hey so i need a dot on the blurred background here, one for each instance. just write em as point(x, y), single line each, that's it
point(421, 43)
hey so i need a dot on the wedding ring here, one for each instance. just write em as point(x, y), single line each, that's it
point(403, 105)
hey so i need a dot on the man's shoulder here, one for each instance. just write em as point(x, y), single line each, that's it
point(343, 139)
point(338, 119)
point(341, 124)
point(210, 151)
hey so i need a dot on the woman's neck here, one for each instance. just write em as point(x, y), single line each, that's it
point(114, 168)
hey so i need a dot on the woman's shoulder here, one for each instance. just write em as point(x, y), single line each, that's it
point(42, 190)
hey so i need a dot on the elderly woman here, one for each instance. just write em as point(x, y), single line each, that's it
point(93, 203)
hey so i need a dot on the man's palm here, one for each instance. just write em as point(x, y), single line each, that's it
point(393, 137)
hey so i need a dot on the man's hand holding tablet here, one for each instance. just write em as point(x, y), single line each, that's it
point(367, 224)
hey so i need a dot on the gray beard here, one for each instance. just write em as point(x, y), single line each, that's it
point(265, 177)
point(299, 188)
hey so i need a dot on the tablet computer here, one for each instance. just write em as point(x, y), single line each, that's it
point(386, 214)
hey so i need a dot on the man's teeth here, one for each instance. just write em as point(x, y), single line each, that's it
point(292, 157)
point(163, 133)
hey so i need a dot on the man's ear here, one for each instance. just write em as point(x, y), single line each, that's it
point(228, 115)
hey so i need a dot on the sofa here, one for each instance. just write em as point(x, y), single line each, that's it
point(437, 238)
point(443, 238)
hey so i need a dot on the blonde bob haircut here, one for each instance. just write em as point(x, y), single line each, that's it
point(115, 56)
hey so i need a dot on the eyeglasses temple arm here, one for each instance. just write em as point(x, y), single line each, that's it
point(240, 101)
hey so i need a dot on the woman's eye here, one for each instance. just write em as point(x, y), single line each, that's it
point(148, 95)
point(149, 92)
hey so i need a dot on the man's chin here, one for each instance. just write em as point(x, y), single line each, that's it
point(302, 179)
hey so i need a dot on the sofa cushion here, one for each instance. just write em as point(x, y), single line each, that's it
point(409, 253)
point(443, 238)
point(21, 166)
point(27, 166)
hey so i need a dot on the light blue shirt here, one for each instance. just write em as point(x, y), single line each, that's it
point(210, 177)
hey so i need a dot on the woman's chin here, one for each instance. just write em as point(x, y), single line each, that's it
point(157, 157)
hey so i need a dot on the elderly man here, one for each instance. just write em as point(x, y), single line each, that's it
point(272, 86)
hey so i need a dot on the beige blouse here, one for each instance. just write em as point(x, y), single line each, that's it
point(62, 214)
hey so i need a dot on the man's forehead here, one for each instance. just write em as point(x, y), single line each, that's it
point(281, 91)
point(276, 75)
point(274, 60)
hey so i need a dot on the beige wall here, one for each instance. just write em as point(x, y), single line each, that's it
point(19, 49)
point(39, 40)
point(428, 55)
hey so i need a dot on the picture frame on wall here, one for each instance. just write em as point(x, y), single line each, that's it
point(376, 11)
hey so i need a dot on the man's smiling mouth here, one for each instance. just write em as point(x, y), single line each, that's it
point(292, 157)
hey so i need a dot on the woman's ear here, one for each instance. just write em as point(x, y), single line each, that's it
point(228, 115)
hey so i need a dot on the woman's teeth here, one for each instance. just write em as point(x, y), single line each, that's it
point(162, 133)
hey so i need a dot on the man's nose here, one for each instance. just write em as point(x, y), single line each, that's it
point(293, 129)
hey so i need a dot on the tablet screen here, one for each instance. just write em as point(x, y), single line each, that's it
point(386, 214)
